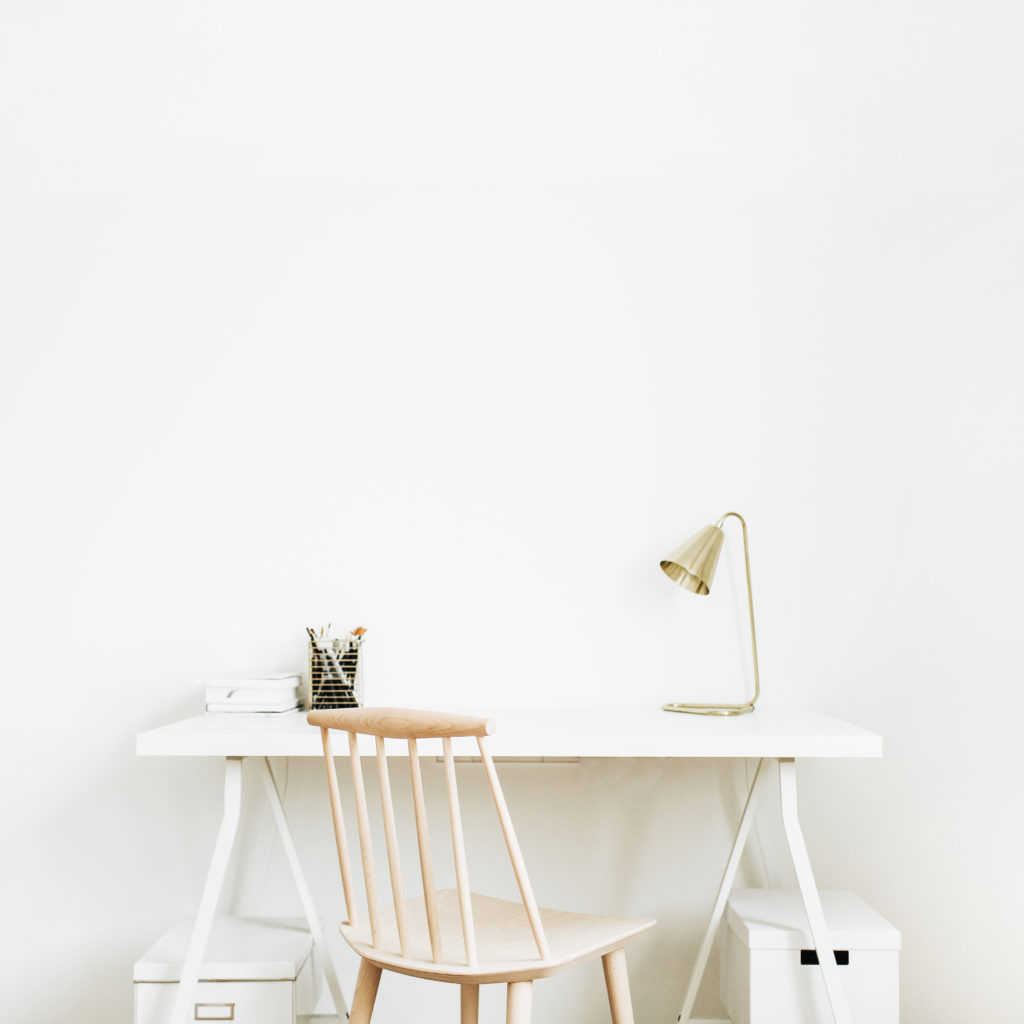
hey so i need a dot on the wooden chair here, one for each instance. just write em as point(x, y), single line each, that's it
point(455, 936)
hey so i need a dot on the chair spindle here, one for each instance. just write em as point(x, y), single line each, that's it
point(340, 839)
point(365, 839)
point(459, 854)
point(426, 863)
point(514, 853)
point(391, 839)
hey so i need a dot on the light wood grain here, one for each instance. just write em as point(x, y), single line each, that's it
point(500, 940)
point(617, 982)
point(506, 949)
point(423, 845)
point(469, 1002)
point(365, 995)
point(401, 723)
point(459, 853)
point(365, 836)
point(518, 1002)
point(340, 840)
point(514, 853)
point(391, 838)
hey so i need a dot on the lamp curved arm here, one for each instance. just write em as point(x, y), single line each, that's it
point(750, 598)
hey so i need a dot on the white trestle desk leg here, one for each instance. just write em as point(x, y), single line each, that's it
point(182, 1009)
point(753, 796)
point(324, 952)
point(809, 892)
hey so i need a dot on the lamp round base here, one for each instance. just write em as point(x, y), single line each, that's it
point(721, 710)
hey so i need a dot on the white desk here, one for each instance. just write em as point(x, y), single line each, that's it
point(778, 734)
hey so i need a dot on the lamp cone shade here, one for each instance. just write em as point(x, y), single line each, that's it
point(692, 565)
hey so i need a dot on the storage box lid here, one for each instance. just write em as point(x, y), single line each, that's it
point(775, 919)
point(239, 949)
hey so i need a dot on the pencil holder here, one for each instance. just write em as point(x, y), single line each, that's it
point(336, 673)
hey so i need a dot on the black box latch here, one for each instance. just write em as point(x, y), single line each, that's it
point(809, 957)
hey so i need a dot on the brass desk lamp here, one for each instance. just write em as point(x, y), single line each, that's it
point(692, 565)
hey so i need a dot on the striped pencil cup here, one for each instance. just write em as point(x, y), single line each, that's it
point(336, 672)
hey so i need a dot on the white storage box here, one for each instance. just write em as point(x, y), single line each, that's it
point(769, 970)
point(255, 971)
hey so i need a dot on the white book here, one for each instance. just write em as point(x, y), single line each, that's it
point(252, 694)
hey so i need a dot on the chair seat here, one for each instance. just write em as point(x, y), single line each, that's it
point(506, 950)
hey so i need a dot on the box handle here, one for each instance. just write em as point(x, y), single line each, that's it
point(214, 1011)
point(809, 957)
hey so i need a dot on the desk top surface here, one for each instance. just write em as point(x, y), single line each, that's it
point(538, 733)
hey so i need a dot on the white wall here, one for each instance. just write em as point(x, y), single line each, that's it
point(450, 320)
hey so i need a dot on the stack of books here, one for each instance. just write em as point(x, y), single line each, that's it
point(248, 692)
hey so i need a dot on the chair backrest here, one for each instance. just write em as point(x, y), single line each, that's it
point(413, 726)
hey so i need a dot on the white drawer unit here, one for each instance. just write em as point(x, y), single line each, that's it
point(769, 970)
point(255, 971)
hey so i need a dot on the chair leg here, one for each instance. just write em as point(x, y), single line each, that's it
point(366, 993)
point(517, 1008)
point(617, 980)
point(470, 1004)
